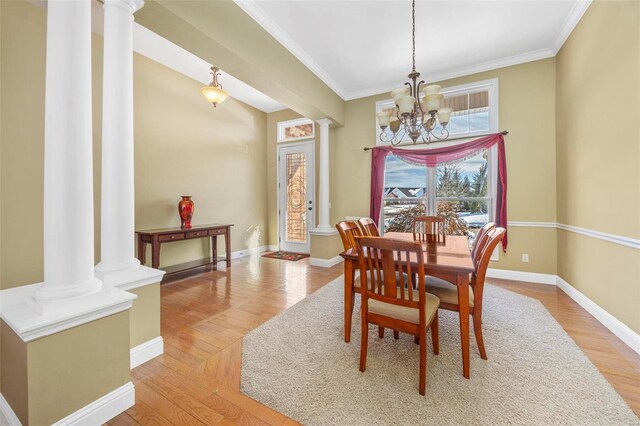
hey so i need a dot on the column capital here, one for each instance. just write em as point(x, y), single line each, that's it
point(129, 6)
point(324, 122)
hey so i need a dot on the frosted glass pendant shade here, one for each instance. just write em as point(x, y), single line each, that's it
point(405, 104)
point(398, 93)
point(443, 115)
point(432, 89)
point(432, 102)
point(214, 95)
point(383, 119)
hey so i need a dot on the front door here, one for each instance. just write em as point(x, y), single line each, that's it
point(295, 199)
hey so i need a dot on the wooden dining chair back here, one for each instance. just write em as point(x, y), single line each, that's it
point(478, 276)
point(479, 242)
point(428, 229)
point(369, 227)
point(386, 301)
point(348, 231)
point(448, 293)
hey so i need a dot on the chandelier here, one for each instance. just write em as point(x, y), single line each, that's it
point(213, 92)
point(413, 117)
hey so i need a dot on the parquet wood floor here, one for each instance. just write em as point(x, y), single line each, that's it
point(197, 379)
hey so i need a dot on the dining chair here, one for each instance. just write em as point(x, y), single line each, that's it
point(481, 239)
point(427, 228)
point(349, 231)
point(368, 227)
point(448, 293)
point(385, 300)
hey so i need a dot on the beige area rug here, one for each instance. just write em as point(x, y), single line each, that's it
point(297, 363)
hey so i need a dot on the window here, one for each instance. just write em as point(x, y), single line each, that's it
point(475, 109)
point(461, 192)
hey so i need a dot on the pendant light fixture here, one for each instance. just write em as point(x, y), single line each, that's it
point(213, 92)
point(414, 118)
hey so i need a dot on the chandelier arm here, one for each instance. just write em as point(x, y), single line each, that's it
point(444, 132)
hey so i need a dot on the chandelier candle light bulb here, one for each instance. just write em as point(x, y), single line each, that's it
point(415, 119)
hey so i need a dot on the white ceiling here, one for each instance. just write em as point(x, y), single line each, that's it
point(361, 48)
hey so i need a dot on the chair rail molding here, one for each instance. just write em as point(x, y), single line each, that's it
point(612, 238)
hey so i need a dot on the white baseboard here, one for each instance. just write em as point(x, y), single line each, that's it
point(102, 409)
point(532, 277)
point(249, 252)
point(146, 351)
point(624, 333)
point(7, 416)
point(325, 263)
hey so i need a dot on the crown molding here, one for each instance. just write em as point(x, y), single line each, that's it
point(521, 58)
point(579, 8)
point(251, 8)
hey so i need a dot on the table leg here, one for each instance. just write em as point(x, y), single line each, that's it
point(142, 251)
point(214, 250)
point(348, 298)
point(227, 245)
point(155, 253)
point(463, 304)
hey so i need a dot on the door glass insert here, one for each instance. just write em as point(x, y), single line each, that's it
point(296, 187)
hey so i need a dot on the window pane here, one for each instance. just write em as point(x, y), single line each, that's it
point(403, 180)
point(296, 198)
point(468, 178)
point(463, 217)
point(398, 215)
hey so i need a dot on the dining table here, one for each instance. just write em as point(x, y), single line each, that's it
point(449, 260)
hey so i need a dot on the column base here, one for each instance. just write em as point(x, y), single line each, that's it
point(50, 294)
point(325, 248)
point(324, 230)
point(103, 269)
point(31, 319)
point(130, 278)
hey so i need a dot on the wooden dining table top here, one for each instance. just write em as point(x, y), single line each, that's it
point(452, 255)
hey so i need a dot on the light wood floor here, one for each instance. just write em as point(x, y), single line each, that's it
point(197, 380)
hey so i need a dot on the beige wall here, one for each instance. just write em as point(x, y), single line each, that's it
point(54, 376)
point(598, 185)
point(182, 146)
point(145, 315)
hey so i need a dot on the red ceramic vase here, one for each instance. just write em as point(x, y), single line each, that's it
point(185, 210)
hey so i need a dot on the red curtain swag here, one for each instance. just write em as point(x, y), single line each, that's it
point(433, 157)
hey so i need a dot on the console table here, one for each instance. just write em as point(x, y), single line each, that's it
point(157, 237)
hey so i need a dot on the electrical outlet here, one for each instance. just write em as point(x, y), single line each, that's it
point(525, 258)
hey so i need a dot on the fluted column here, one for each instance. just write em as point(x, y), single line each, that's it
point(68, 163)
point(323, 203)
point(117, 206)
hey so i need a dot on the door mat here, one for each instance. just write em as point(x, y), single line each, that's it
point(286, 255)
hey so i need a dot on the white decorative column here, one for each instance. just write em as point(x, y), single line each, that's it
point(68, 161)
point(117, 206)
point(323, 217)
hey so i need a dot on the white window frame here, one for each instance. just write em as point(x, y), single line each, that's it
point(282, 125)
point(491, 86)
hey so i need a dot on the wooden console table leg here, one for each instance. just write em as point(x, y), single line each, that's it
point(142, 251)
point(155, 252)
point(227, 245)
point(214, 251)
